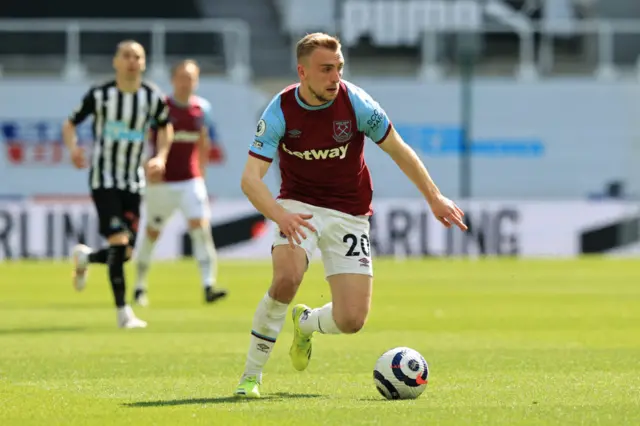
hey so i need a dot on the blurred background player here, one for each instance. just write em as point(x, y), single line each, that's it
point(318, 129)
point(122, 109)
point(182, 186)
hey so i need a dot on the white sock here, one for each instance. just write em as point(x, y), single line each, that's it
point(205, 253)
point(320, 320)
point(125, 312)
point(267, 324)
point(143, 260)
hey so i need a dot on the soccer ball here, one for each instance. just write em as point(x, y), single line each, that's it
point(401, 373)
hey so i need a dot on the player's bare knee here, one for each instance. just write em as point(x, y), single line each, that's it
point(285, 285)
point(350, 322)
point(119, 239)
point(289, 267)
point(129, 253)
point(287, 277)
point(152, 234)
point(351, 294)
point(195, 224)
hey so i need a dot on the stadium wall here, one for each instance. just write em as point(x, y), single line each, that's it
point(558, 140)
point(401, 228)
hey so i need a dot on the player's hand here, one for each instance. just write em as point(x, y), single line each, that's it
point(292, 224)
point(155, 169)
point(447, 212)
point(78, 158)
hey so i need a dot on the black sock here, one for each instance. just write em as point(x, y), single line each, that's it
point(117, 255)
point(99, 256)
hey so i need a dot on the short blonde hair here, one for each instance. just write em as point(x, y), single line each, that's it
point(311, 42)
point(183, 64)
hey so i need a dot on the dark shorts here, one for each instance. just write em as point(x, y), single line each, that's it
point(118, 211)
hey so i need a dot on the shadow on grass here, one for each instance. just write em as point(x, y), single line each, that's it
point(221, 400)
point(379, 399)
point(39, 330)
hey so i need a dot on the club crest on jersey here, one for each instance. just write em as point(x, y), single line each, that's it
point(342, 131)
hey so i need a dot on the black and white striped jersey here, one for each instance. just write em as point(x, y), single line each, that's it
point(120, 123)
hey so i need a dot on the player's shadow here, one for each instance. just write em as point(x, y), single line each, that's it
point(40, 330)
point(221, 400)
point(376, 399)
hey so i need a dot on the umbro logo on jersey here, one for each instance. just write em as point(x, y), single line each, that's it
point(294, 133)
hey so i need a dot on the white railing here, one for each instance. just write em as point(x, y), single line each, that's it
point(301, 16)
point(420, 30)
point(527, 67)
point(235, 33)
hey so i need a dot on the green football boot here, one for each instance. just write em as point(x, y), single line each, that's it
point(300, 352)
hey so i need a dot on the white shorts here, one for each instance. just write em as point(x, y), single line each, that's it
point(161, 200)
point(343, 239)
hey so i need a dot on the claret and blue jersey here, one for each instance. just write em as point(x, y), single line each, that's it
point(321, 148)
point(188, 121)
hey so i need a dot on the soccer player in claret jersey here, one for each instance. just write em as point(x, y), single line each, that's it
point(318, 129)
point(182, 187)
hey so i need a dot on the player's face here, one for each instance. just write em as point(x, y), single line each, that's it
point(185, 80)
point(130, 61)
point(322, 73)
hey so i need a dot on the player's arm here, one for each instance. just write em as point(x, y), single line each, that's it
point(207, 136)
point(164, 128)
point(264, 148)
point(374, 122)
point(256, 190)
point(69, 134)
point(410, 164)
point(444, 209)
point(84, 110)
point(204, 144)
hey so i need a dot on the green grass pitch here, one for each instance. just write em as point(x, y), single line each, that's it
point(508, 342)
